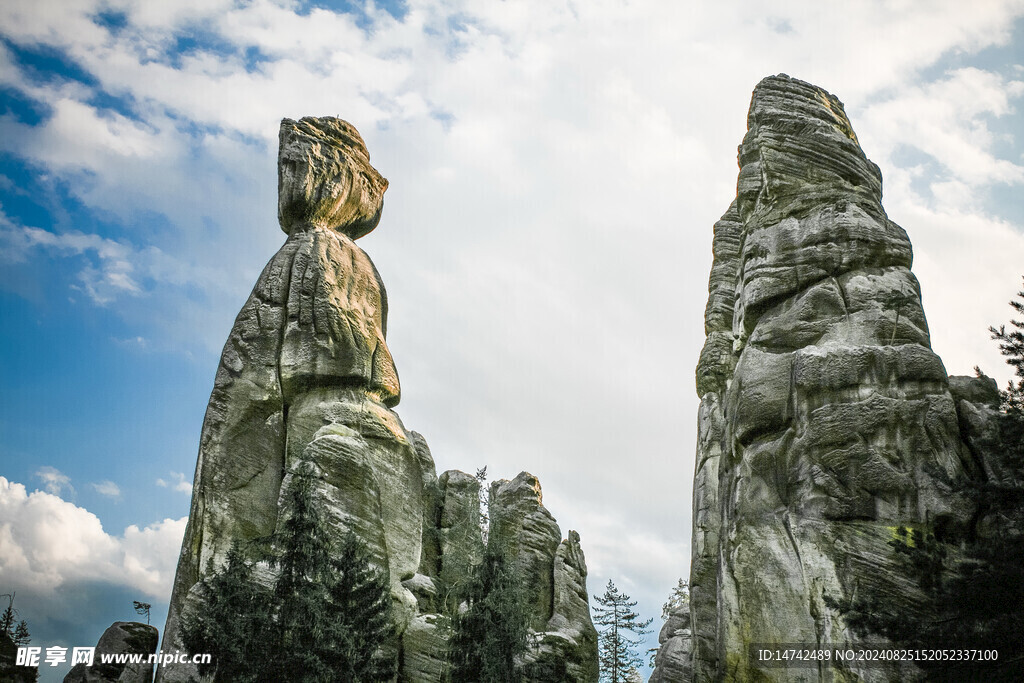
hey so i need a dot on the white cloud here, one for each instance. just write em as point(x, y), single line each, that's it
point(107, 488)
point(945, 120)
point(47, 542)
point(113, 275)
point(555, 171)
point(55, 481)
point(177, 483)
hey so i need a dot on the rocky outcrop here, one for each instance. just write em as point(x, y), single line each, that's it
point(122, 638)
point(555, 575)
point(826, 420)
point(674, 660)
point(306, 378)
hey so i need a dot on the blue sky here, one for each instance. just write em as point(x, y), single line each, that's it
point(555, 171)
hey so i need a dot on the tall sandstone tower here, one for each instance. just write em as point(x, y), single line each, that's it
point(306, 377)
point(826, 421)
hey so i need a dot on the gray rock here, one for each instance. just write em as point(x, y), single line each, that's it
point(306, 378)
point(981, 390)
point(826, 420)
point(570, 636)
point(424, 648)
point(459, 533)
point(674, 659)
point(526, 530)
point(121, 638)
point(554, 572)
point(423, 589)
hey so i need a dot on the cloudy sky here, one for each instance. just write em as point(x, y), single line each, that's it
point(555, 171)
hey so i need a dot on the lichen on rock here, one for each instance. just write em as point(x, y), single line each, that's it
point(825, 417)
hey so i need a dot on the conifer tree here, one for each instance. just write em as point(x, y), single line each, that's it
point(304, 571)
point(489, 637)
point(679, 599)
point(234, 625)
point(14, 634)
point(326, 618)
point(360, 600)
point(615, 621)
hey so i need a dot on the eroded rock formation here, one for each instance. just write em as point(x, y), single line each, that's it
point(555, 574)
point(121, 638)
point(826, 420)
point(306, 377)
point(674, 660)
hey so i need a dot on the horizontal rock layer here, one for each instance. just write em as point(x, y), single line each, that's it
point(825, 420)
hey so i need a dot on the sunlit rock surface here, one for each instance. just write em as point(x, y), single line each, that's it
point(826, 420)
point(306, 377)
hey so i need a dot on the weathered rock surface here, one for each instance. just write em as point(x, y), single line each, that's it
point(123, 637)
point(674, 660)
point(527, 531)
point(306, 378)
point(555, 575)
point(325, 179)
point(826, 420)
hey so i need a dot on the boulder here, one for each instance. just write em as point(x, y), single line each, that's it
point(325, 180)
point(122, 638)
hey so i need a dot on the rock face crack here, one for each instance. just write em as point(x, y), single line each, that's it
point(824, 414)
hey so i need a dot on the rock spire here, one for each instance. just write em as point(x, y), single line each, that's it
point(306, 377)
point(826, 420)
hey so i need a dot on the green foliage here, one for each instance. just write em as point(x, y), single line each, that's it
point(142, 609)
point(235, 623)
point(491, 632)
point(679, 599)
point(326, 618)
point(1011, 345)
point(14, 634)
point(615, 620)
point(361, 604)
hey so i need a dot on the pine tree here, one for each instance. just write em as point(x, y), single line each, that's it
point(234, 625)
point(7, 617)
point(679, 599)
point(325, 619)
point(489, 637)
point(14, 634)
point(360, 600)
point(304, 570)
point(1011, 345)
point(615, 619)
point(142, 608)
